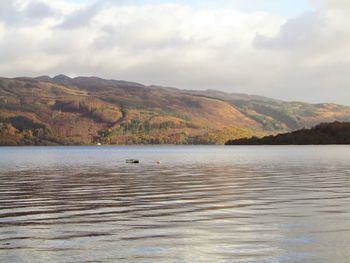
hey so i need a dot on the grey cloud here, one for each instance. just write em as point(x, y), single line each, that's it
point(295, 33)
point(38, 10)
point(11, 14)
point(145, 29)
point(331, 4)
point(12, 48)
point(108, 37)
point(81, 17)
point(133, 37)
point(8, 12)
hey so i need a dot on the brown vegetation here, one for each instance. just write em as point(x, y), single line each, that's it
point(63, 110)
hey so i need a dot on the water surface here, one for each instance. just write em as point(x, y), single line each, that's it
point(202, 204)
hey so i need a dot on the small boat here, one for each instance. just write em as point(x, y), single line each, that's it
point(132, 161)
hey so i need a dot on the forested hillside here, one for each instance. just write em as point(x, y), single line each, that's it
point(90, 110)
point(324, 133)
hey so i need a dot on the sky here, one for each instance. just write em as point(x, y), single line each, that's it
point(296, 50)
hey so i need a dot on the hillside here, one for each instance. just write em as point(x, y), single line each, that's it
point(88, 110)
point(324, 133)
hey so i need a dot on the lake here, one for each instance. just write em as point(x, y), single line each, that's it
point(201, 204)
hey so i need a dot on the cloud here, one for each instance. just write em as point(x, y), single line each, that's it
point(295, 33)
point(37, 10)
point(81, 17)
point(331, 4)
point(174, 43)
point(15, 12)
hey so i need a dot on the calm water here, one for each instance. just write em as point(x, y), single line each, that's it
point(202, 204)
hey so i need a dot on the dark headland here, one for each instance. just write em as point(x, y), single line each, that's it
point(322, 134)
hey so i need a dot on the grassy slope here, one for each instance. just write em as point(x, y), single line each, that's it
point(88, 110)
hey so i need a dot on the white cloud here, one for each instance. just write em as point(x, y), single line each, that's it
point(331, 4)
point(304, 57)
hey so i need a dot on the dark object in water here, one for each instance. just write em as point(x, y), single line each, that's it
point(132, 161)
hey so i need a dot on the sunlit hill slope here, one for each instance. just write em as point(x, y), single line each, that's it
point(90, 110)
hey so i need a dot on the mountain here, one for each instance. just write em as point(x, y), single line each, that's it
point(88, 110)
point(324, 133)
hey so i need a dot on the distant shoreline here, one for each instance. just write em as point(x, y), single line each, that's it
point(164, 145)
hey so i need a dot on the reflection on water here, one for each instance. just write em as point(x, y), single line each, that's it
point(202, 204)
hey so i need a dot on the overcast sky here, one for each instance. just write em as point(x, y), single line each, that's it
point(288, 49)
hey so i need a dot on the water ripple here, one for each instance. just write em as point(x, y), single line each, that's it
point(224, 204)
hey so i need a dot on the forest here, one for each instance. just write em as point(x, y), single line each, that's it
point(90, 110)
point(324, 133)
